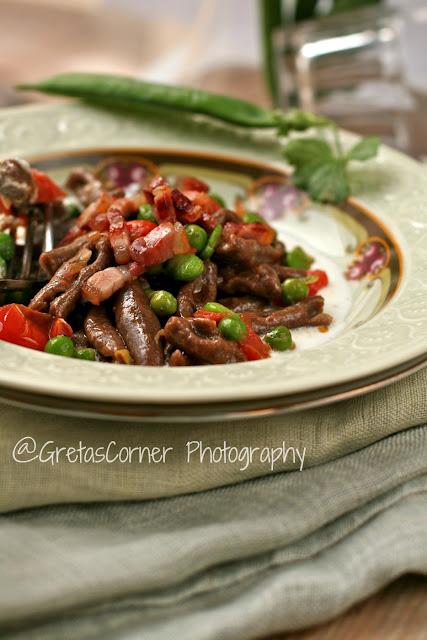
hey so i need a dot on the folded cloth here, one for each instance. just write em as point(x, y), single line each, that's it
point(277, 553)
point(306, 438)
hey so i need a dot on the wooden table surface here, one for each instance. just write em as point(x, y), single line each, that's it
point(398, 612)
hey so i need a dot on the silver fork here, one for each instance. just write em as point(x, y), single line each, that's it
point(23, 276)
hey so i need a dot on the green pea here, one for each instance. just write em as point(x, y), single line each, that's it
point(219, 199)
point(279, 339)
point(186, 266)
point(197, 236)
point(249, 217)
point(212, 242)
point(233, 328)
point(61, 346)
point(297, 258)
point(148, 292)
point(216, 307)
point(3, 268)
point(163, 303)
point(7, 246)
point(146, 213)
point(72, 206)
point(294, 290)
point(86, 354)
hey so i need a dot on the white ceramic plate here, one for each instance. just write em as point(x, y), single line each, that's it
point(381, 317)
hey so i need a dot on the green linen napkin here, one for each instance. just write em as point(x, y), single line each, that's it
point(314, 436)
point(277, 553)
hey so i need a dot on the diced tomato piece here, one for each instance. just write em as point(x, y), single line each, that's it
point(321, 282)
point(60, 328)
point(253, 347)
point(258, 231)
point(189, 183)
point(29, 328)
point(139, 228)
point(210, 315)
point(46, 189)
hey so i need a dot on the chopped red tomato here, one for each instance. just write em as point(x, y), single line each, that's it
point(29, 328)
point(210, 315)
point(258, 231)
point(46, 189)
point(59, 328)
point(189, 183)
point(163, 242)
point(139, 228)
point(322, 281)
point(253, 347)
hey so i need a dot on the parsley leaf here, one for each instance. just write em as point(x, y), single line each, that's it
point(329, 182)
point(321, 171)
point(303, 151)
point(366, 149)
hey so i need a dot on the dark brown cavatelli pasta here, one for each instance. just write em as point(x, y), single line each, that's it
point(138, 325)
point(200, 339)
point(300, 314)
point(102, 334)
point(63, 305)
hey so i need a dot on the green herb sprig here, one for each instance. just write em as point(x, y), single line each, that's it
point(321, 170)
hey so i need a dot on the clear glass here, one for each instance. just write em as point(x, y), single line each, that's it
point(348, 67)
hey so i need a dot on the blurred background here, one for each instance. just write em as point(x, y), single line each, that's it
point(362, 62)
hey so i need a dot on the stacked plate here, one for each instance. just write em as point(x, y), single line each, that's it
point(374, 248)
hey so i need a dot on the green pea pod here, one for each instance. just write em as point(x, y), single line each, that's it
point(125, 91)
point(117, 90)
point(213, 240)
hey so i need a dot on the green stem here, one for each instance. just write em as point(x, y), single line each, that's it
point(270, 16)
point(305, 10)
point(337, 141)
